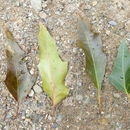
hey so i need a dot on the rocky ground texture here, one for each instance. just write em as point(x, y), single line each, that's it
point(79, 110)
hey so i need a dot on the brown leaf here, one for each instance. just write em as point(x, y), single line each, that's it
point(18, 79)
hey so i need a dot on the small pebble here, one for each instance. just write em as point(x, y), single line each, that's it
point(86, 100)
point(128, 26)
point(74, 50)
point(49, 117)
point(79, 97)
point(107, 32)
point(104, 121)
point(87, 7)
point(54, 125)
point(79, 84)
point(116, 95)
point(32, 71)
point(102, 113)
point(23, 114)
point(44, 5)
point(113, 23)
point(57, 38)
point(37, 89)
point(17, 3)
point(57, 12)
point(36, 4)
point(42, 15)
point(59, 118)
point(94, 3)
point(31, 93)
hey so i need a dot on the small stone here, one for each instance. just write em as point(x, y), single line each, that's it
point(79, 84)
point(68, 101)
point(54, 125)
point(74, 50)
point(59, 118)
point(44, 5)
point(27, 119)
point(107, 32)
point(8, 116)
point(94, 3)
point(23, 114)
point(87, 7)
point(79, 118)
point(1, 127)
point(57, 38)
point(36, 117)
point(108, 116)
point(36, 4)
point(79, 97)
point(128, 26)
point(40, 104)
point(57, 12)
point(70, 9)
point(31, 93)
point(86, 100)
point(32, 71)
point(37, 89)
point(102, 112)
point(49, 117)
point(104, 121)
point(116, 95)
point(42, 15)
point(17, 3)
point(113, 23)
point(61, 22)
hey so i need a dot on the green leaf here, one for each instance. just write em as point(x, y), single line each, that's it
point(18, 79)
point(52, 69)
point(120, 76)
point(95, 59)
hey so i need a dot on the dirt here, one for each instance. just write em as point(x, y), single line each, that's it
point(111, 18)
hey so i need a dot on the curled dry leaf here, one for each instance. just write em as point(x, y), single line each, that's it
point(52, 69)
point(18, 79)
point(120, 76)
point(91, 43)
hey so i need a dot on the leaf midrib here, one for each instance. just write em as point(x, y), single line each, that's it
point(93, 64)
point(95, 72)
point(52, 82)
point(123, 72)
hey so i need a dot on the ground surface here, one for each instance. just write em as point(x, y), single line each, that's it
point(78, 111)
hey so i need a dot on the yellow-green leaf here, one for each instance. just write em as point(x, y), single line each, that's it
point(52, 69)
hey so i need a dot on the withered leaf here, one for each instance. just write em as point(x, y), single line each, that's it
point(18, 79)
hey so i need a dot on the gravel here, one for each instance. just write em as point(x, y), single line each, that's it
point(116, 95)
point(113, 23)
point(31, 93)
point(36, 4)
point(37, 89)
point(59, 118)
point(43, 15)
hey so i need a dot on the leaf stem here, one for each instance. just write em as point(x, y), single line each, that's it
point(128, 95)
point(99, 101)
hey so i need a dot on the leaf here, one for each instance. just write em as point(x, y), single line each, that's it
point(120, 76)
point(52, 69)
point(18, 79)
point(95, 59)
